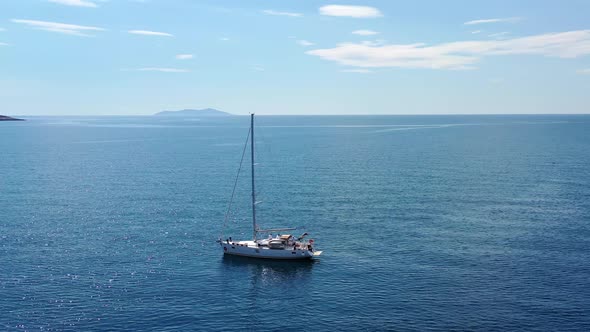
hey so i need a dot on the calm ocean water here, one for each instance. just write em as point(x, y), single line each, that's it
point(426, 222)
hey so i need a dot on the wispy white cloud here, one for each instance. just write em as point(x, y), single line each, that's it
point(350, 11)
point(585, 71)
point(377, 42)
point(2, 29)
point(184, 56)
point(279, 13)
point(160, 69)
point(305, 43)
point(77, 3)
point(358, 71)
point(150, 33)
point(3, 44)
point(476, 32)
point(494, 20)
point(499, 35)
point(224, 39)
point(456, 55)
point(69, 29)
point(364, 32)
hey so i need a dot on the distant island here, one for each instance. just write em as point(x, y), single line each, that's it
point(207, 112)
point(7, 118)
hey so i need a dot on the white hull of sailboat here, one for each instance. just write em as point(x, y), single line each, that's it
point(251, 249)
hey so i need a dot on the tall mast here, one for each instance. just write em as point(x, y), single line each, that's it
point(252, 167)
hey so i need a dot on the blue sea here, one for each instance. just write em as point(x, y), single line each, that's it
point(426, 223)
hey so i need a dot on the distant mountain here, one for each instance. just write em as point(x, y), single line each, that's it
point(7, 118)
point(207, 112)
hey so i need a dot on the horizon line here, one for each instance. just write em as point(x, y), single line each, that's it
point(247, 114)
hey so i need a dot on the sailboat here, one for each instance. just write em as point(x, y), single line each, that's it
point(280, 246)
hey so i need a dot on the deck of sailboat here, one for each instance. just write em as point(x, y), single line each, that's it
point(259, 245)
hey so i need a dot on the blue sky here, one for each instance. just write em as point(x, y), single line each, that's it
point(135, 57)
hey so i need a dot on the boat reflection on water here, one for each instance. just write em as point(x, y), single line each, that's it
point(266, 272)
point(250, 284)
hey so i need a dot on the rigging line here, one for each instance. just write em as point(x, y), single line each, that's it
point(227, 213)
point(263, 135)
point(261, 184)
